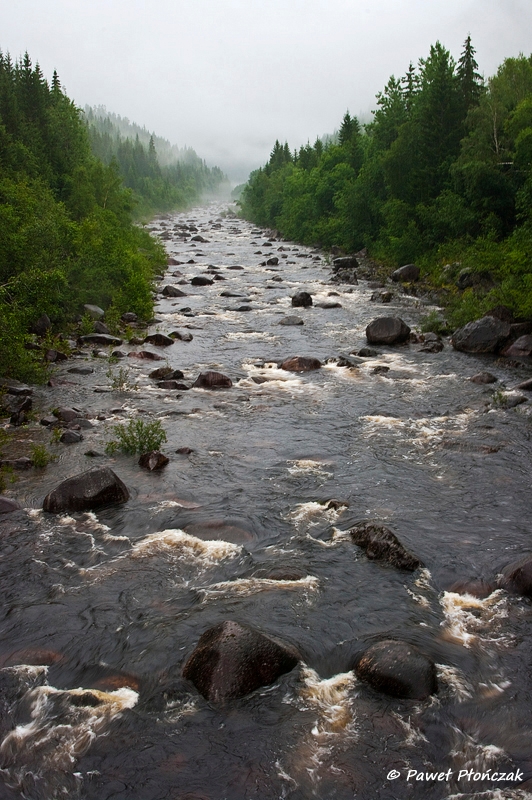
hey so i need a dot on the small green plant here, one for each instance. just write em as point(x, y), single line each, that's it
point(121, 380)
point(40, 456)
point(432, 323)
point(86, 325)
point(112, 320)
point(56, 435)
point(6, 476)
point(137, 436)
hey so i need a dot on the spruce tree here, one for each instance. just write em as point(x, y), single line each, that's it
point(471, 82)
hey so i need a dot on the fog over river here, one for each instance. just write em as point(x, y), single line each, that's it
point(102, 610)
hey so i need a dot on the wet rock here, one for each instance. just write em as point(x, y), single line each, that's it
point(15, 388)
point(232, 660)
point(199, 238)
point(300, 364)
point(380, 544)
point(478, 588)
point(272, 262)
point(129, 317)
point(485, 335)
point(406, 274)
point(241, 308)
point(432, 343)
point(381, 297)
point(387, 330)
point(145, 354)
point(169, 385)
point(101, 338)
point(94, 311)
point(20, 464)
point(510, 399)
point(101, 327)
point(398, 669)
point(71, 437)
point(483, 378)
point(81, 370)
point(66, 414)
point(184, 451)
point(344, 263)
point(525, 386)
point(118, 354)
point(161, 373)
point(49, 421)
point(159, 340)
point(235, 266)
point(51, 355)
point(282, 574)
point(291, 321)
point(302, 300)
point(201, 280)
point(368, 352)
point(212, 380)
point(521, 348)
point(345, 276)
point(172, 291)
point(86, 491)
point(517, 577)
point(93, 454)
point(381, 369)
point(41, 326)
point(183, 337)
point(329, 305)
point(7, 505)
point(153, 461)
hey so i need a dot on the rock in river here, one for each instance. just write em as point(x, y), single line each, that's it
point(387, 330)
point(398, 669)
point(212, 380)
point(153, 461)
point(485, 335)
point(159, 340)
point(88, 490)
point(300, 364)
point(302, 300)
point(517, 577)
point(382, 545)
point(232, 660)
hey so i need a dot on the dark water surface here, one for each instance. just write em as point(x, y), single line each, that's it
point(115, 602)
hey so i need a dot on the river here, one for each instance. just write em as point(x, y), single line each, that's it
point(115, 601)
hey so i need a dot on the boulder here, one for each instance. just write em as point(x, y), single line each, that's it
point(398, 669)
point(345, 276)
point(302, 300)
point(300, 364)
point(159, 340)
point(344, 263)
point(232, 660)
point(476, 588)
point(212, 380)
point(41, 326)
point(128, 317)
point(432, 343)
point(101, 338)
point(161, 373)
point(153, 461)
point(406, 274)
point(172, 291)
point(199, 238)
point(51, 355)
point(521, 348)
point(483, 378)
point(81, 370)
point(517, 577)
point(13, 387)
point(387, 330)
point(381, 369)
point(485, 335)
point(86, 491)
point(381, 544)
point(71, 437)
point(201, 280)
point(381, 297)
point(7, 505)
point(145, 354)
point(94, 311)
point(525, 386)
point(291, 321)
point(272, 262)
point(66, 414)
point(183, 337)
point(368, 352)
point(100, 327)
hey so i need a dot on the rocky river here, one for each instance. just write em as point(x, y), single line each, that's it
point(260, 519)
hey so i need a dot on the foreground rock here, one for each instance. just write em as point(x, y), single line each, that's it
point(7, 505)
point(300, 364)
point(88, 490)
point(380, 544)
point(212, 380)
point(485, 335)
point(398, 669)
point(302, 300)
point(232, 660)
point(521, 348)
point(517, 577)
point(387, 330)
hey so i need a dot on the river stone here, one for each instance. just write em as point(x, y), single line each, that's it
point(172, 291)
point(65, 414)
point(201, 280)
point(71, 437)
point(485, 335)
point(291, 321)
point(94, 311)
point(517, 577)
point(521, 348)
point(483, 378)
point(41, 326)
point(381, 297)
point(212, 380)
point(398, 669)
point(145, 354)
point(344, 262)
point(302, 300)
point(381, 544)
point(161, 373)
point(387, 330)
point(525, 386)
point(81, 370)
point(407, 273)
point(86, 491)
point(159, 340)
point(128, 317)
point(300, 364)
point(199, 238)
point(7, 505)
point(232, 660)
point(475, 588)
point(101, 327)
point(153, 461)
point(101, 338)
point(13, 387)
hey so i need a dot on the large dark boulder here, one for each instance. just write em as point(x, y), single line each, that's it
point(380, 544)
point(387, 330)
point(172, 291)
point(398, 669)
point(302, 300)
point(159, 340)
point(232, 660)
point(201, 280)
point(344, 262)
point(92, 489)
point(7, 505)
point(406, 274)
point(485, 335)
point(517, 577)
point(300, 364)
point(521, 348)
point(212, 380)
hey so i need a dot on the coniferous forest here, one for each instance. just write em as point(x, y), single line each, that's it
point(441, 176)
point(66, 215)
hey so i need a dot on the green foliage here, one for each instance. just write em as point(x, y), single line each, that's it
point(137, 436)
point(432, 323)
point(121, 381)
point(40, 456)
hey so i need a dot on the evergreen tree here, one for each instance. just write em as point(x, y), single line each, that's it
point(471, 83)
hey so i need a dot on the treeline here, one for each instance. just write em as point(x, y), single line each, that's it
point(162, 176)
point(66, 231)
point(441, 175)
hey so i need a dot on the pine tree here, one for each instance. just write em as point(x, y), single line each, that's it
point(471, 82)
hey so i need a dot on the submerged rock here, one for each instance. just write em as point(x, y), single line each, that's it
point(476, 587)
point(153, 461)
point(381, 544)
point(398, 669)
point(232, 660)
point(483, 378)
point(291, 321)
point(517, 577)
point(300, 364)
point(7, 505)
point(92, 489)
point(212, 380)
point(387, 330)
point(159, 340)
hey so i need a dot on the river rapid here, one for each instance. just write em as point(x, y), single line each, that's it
point(101, 610)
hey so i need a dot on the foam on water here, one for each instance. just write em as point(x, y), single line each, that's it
point(306, 466)
point(313, 513)
point(470, 620)
point(243, 587)
point(177, 543)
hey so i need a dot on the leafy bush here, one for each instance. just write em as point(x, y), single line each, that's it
point(40, 456)
point(137, 436)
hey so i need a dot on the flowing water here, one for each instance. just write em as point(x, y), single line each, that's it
point(101, 610)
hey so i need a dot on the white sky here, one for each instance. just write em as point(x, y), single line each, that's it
point(228, 77)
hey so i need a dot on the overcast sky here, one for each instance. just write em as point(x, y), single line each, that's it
point(228, 77)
